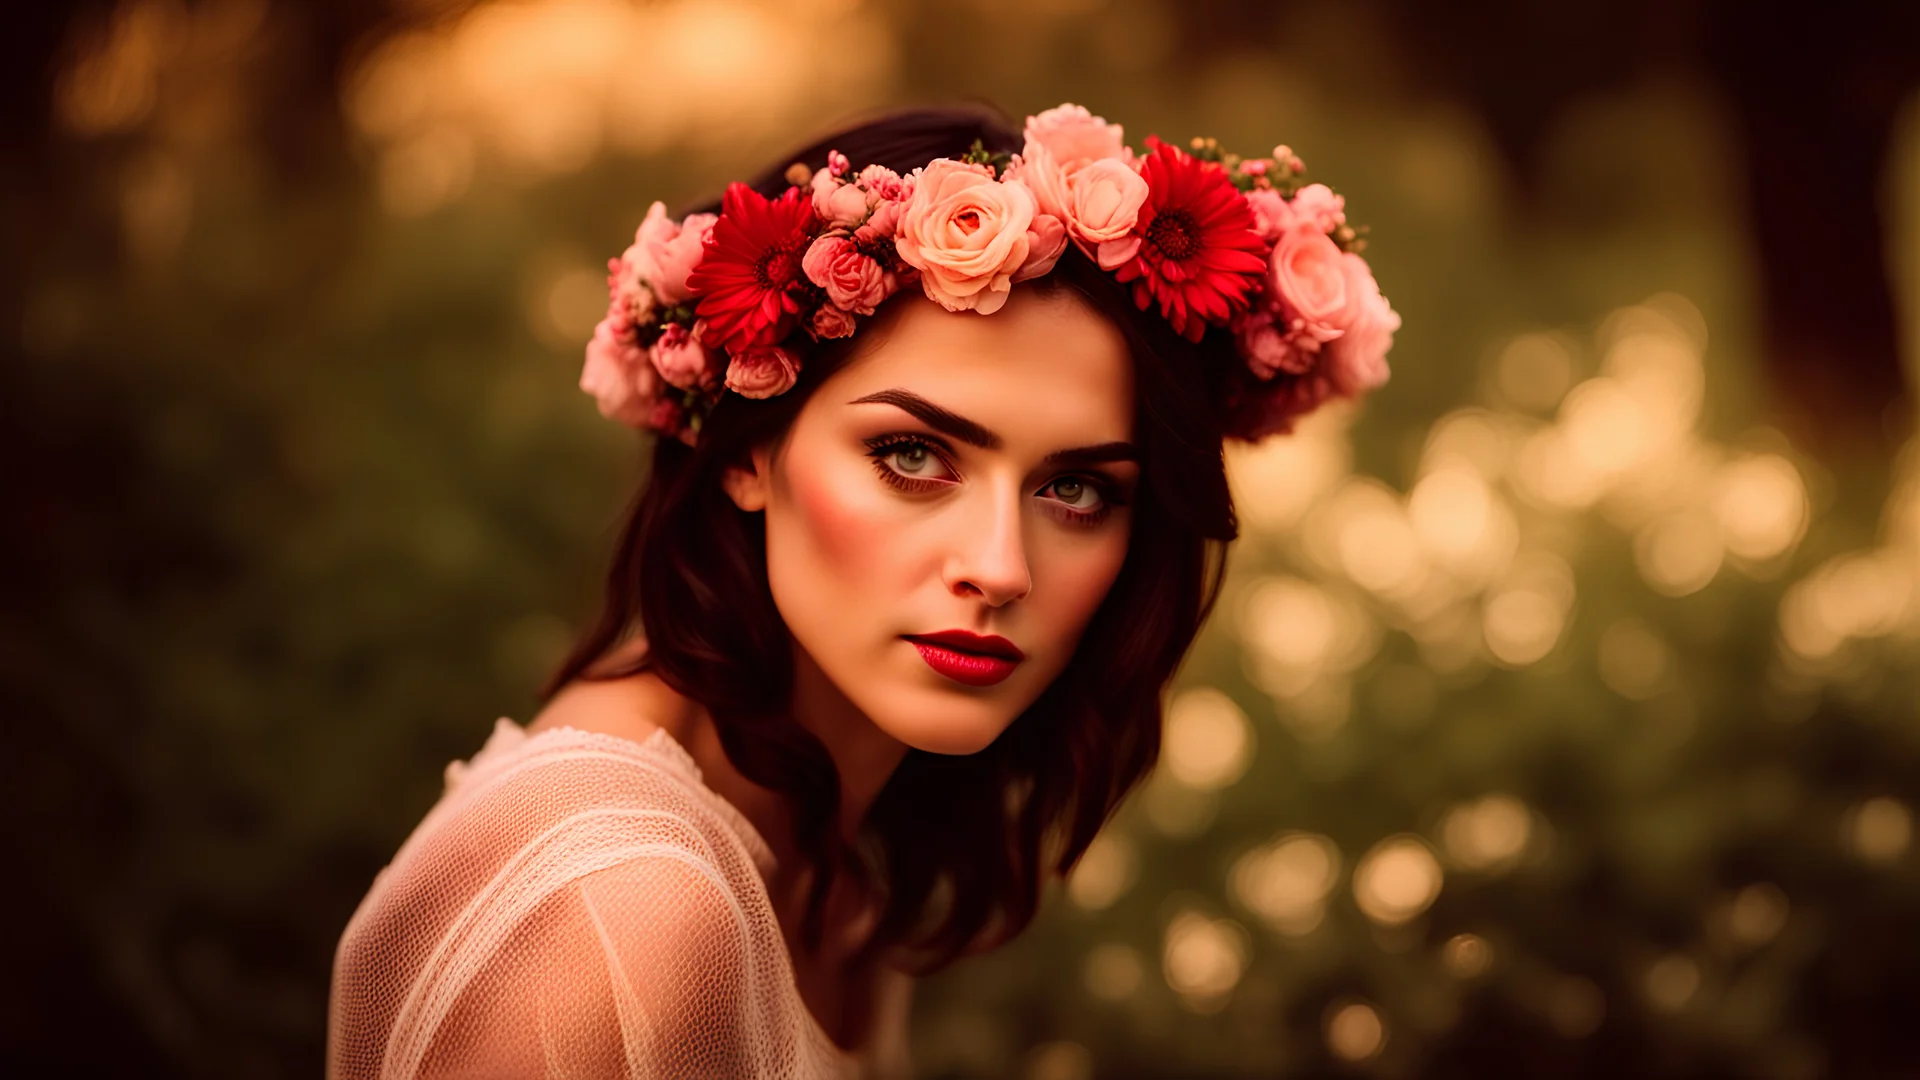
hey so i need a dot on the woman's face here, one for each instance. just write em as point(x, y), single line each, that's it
point(932, 484)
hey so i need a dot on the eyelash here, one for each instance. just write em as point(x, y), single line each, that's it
point(884, 447)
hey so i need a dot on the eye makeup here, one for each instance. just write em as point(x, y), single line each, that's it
point(882, 448)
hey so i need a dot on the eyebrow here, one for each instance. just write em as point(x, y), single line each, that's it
point(968, 431)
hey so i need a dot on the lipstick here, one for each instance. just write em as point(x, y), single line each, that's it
point(968, 658)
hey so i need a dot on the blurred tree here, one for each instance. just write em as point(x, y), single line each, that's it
point(1814, 99)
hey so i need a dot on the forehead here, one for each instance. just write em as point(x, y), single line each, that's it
point(1045, 368)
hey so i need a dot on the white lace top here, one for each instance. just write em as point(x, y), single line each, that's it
point(577, 905)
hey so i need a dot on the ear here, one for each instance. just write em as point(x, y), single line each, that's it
point(747, 484)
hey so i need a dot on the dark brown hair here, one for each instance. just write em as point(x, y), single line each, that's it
point(690, 574)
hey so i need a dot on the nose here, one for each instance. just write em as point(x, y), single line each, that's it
point(989, 555)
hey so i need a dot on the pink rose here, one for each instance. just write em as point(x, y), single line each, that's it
point(618, 374)
point(1046, 242)
point(1316, 287)
point(664, 252)
point(1356, 361)
point(1036, 167)
point(681, 358)
point(1317, 203)
point(967, 233)
point(881, 224)
point(853, 280)
point(840, 205)
point(832, 322)
point(1075, 136)
point(761, 371)
point(1103, 200)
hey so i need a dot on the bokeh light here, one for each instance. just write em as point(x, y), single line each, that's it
point(1396, 880)
point(1355, 1031)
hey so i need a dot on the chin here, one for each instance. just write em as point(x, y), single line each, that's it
point(951, 731)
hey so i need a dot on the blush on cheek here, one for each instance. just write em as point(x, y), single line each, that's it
point(839, 524)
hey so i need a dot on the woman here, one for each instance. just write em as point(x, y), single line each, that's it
point(937, 506)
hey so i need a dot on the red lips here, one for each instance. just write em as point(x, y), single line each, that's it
point(968, 658)
point(991, 645)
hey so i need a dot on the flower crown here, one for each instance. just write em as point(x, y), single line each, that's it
point(709, 303)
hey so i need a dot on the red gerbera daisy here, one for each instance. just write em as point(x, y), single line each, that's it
point(747, 282)
point(1199, 256)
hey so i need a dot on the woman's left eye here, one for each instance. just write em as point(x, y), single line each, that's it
point(1078, 494)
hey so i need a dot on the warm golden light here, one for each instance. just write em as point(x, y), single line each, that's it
point(1757, 914)
point(1679, 554)
point(1204, 959)
point(1396, 880)
point(544, 86)
point(1104, 873)
point(1061, 1059)
point(1295, 632)
point(1761, 505)
point(1672, 981)
point(1287, 882)
point(1276, 481)
point(1879, 829)
point(1488, 833)
point(1522, 625)
point(1208, 742)
point(1466, 955)
point(1535, 370)
point(1463, 524)
point(1355, 1032)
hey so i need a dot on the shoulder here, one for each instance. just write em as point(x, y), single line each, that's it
point(630, 965)
point(632, 707)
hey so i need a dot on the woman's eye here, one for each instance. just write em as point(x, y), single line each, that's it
point(1077, 494)
point(912, 459)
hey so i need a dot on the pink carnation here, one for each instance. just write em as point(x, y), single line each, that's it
point(631, 300)
point(883, 182)
point(664, 252)
point(1315, 206)
point(1317, 203)
point(618, 374)
point(681, 358)
point(761, 371)
point(853, 280)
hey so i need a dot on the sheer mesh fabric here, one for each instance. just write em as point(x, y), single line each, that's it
point(575, 905)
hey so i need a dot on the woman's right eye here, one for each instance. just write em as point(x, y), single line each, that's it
point(908, 463)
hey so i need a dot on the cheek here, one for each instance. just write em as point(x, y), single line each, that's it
point(1083, 575)
point(833, 520)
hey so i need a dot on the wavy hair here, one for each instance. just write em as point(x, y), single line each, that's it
point(689, 574)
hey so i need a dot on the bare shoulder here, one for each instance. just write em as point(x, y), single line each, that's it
point(620, 707)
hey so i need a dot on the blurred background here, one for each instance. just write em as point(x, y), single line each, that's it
point(1560, 717)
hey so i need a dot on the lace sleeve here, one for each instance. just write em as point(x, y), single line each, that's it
point(572, 910)
point(641, 970)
